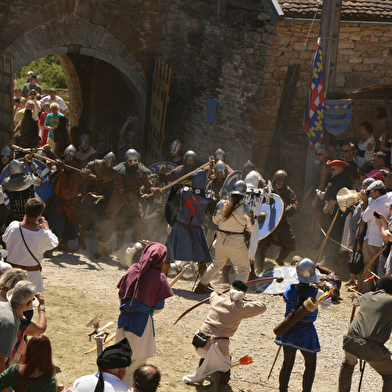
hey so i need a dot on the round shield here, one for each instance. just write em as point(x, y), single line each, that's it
point(228, 185)
point(288, 273)
point(270, 216)
point(42, 192)
point(152, 210)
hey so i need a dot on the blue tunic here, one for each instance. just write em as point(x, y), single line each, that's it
point(187, 240)
point(301, 336)
point(134, 318)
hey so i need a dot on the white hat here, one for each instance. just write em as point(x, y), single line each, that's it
point(33, 305)
point(346, 197)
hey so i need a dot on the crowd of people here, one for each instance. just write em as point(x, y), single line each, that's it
point(210, 223)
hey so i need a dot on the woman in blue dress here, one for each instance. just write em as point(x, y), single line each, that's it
point(303, 335)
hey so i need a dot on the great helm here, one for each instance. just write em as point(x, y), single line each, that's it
point(16, 167)
point(110, 159)
point(175, 147)
point(221, 168)
point(199, 180)
point(70, 151)
point(190, 157)
point(307, 272)
point(132, 156)
point(239, 188)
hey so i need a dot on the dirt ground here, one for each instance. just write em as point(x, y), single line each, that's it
point(71, 278)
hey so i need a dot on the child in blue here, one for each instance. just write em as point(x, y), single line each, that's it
point(303, 335)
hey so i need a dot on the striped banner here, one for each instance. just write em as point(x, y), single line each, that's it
point(337, 115)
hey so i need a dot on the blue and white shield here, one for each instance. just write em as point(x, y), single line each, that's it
point(273, 214)
point(211, 109)
point(44, 191)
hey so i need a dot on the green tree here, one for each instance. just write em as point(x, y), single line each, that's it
point(49, 68)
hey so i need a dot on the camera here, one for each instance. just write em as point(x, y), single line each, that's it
point(40, 221)
point(376, 215)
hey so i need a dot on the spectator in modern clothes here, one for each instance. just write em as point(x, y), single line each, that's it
point(10, 313)
point(53, 97)
point(31, 84)
point(42, 130)
point(146, 378)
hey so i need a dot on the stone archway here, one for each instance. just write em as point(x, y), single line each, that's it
point(73, 40)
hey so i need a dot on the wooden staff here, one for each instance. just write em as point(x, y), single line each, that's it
point(278, 279)
point(178, 180)
point(47, 159)
point(273, 363)
point(322, 246)
point(180, 275)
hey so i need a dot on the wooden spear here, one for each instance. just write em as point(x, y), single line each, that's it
point(278, 279)
point(322, 246)
point(147, 196)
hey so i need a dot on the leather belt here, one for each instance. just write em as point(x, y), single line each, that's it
point(25, 267)
point(230, 232)
point(186, 224)
point(305, 322)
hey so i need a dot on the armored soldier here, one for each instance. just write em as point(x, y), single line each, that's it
point(187, 240)
point(6, 156)
point(124, 210)
point(176, 154)
point(219, 155)
point(234, 221)
point(62, 209)
point(96, 195)
point(282, 236)
point(190, 163)
point(19, 187)
point(86, 152)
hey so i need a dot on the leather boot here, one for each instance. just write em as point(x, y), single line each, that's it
point(252, 273)
point(202, 289)
point(202, 269)
point(102, 250)
point(82, 242)
point(166, 268)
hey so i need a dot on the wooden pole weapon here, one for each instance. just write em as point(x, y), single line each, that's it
point(278, 279)
point(147, 196)
point(322, 246)
point(14, 146)
point(180, 275)
point(273, 363)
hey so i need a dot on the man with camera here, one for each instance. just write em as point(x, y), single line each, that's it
point(373, 241)
point(27, 241)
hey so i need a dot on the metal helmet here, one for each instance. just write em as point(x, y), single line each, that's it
point(132, 156)
point(190, 157)
point(70, 151)
point(6, 152)
point(110, 159)
point(175, 147)
point(280, 174)
point(199, 180)
point(248, 167)
point(239, 188)
point(252, 180)
point(84, 139)
point(40, 152)
point(307, 272)
point(220, 155)
point(221, 168)
point(16, 167)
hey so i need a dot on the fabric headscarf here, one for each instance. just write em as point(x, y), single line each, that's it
point(117, 356)
point(145, 280)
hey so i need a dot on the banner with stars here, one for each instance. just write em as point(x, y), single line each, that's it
point(313, 123)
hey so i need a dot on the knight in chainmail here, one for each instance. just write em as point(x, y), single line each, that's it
point(19, 187)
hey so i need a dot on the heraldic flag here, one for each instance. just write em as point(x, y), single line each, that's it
point(314, 113)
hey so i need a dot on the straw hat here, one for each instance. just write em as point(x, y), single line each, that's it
point(346, 197)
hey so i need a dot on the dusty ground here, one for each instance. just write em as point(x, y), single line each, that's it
point(74, 280)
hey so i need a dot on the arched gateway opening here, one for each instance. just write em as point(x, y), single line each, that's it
point(106, 84)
